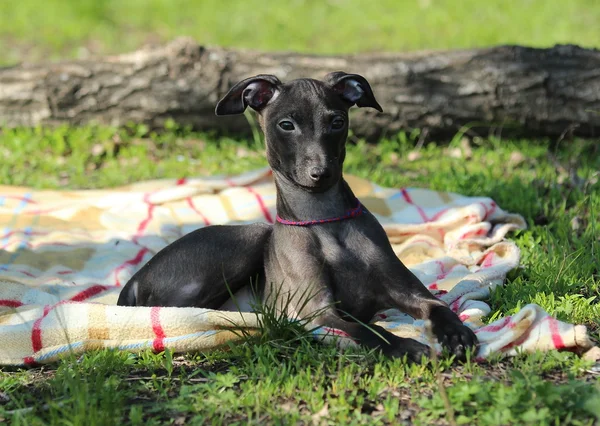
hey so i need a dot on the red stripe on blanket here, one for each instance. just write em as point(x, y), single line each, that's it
point(488, 260)
point(443, 271)
point(406, 196)
point(420, 210)
point(133, 262)
point(18, 198)
point(158, 344)
point(89, 292)
point(490, 211)
point(144, 224)
point(517, 342)
point(492, 328)
point(473, 234)
point(261, 203)
point(10, 303)
point(455, 305)
point(439, 214)
point(36, 331)
point(195, 209)
point(29, 361)
point(409, 200)
point(555, 333)
point(442, 266)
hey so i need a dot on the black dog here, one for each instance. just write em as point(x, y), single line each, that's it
point(325, 243)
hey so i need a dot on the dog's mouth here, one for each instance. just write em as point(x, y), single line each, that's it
point(300, 182)
point(315, 187)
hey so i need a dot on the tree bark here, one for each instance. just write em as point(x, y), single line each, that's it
point(513, 89)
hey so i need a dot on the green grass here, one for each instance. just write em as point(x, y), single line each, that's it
point(34, 30)
point(283, 379)
point(265, 384)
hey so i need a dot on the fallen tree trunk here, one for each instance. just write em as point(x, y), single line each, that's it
point(520, 90)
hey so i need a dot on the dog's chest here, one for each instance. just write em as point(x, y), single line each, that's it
point(351, 259)
point(353, 266)
point(345, 251)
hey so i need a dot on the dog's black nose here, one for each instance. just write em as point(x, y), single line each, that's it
point(319, 173)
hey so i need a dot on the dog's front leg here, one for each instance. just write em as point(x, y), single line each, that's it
point(373, 337)
point(409, 295)
point(316, 307)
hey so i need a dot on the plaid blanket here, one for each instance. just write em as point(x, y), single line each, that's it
point(64, 256)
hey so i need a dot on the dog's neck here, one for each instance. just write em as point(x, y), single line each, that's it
point(295, 203)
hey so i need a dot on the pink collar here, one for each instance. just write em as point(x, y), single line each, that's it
point(349, 214)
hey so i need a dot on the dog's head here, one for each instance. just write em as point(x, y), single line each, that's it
point(305, 122)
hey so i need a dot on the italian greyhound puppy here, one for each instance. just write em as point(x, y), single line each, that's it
point(325, 243)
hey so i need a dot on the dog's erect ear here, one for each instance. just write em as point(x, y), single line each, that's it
point(254, 92)
point(354, 88)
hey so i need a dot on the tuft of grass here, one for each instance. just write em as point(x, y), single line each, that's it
point(282, 319)
point(28, 29)
point(286, 377)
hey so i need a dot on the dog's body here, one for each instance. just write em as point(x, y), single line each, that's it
point(194, 269)
point(326, 253)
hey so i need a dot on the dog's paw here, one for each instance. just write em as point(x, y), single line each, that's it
point(452, 333)
point(413, 350)
point(393, 346)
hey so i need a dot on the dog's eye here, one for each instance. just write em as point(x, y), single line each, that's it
point(337, 124)
point(288, 126)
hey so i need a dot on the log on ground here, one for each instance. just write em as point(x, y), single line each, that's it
point(511, 89)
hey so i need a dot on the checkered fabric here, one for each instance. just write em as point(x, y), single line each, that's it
point(64, 256)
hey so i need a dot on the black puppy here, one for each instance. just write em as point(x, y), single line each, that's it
point(326, 248)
